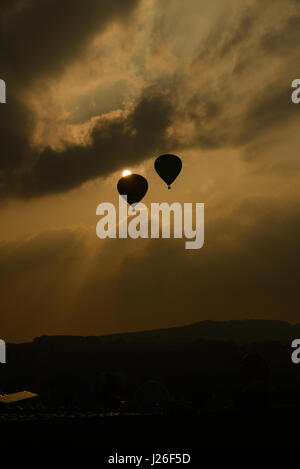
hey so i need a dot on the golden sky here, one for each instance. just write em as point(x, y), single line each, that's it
point(105, 86)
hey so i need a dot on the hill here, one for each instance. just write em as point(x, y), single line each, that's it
point(242, 332)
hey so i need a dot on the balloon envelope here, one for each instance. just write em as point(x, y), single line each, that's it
point(168, 167)
point(254, 367)
point(152, 392)
point(134, 187)
point(98, 382)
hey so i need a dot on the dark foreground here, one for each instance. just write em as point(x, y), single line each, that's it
point(267, 428)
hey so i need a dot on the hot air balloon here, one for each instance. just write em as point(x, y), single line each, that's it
point(134, 187)
point(168, 167)
point(253, 367)
point(257, 389)
point(152, 392)
point(98, 382)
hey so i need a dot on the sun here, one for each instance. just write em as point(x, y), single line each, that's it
point(126, 172)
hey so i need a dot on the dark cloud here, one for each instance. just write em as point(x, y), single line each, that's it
point(16, 122)
point(38, 41)
point(122, 140)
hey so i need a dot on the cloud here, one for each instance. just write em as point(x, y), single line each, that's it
point(68, 281)
point(224, 87)
point(113, 142)
point(40, 39)
point(246, 269)
point(38, 42)
point(248, 84)
point(15, 126)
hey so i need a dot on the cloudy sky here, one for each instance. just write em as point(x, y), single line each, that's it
point(96, 87)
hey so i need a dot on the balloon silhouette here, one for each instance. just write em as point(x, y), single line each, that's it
point(168, 167)
point(254, 367)
point(134, 187)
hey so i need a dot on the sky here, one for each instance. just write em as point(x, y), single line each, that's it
point(97, 87)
